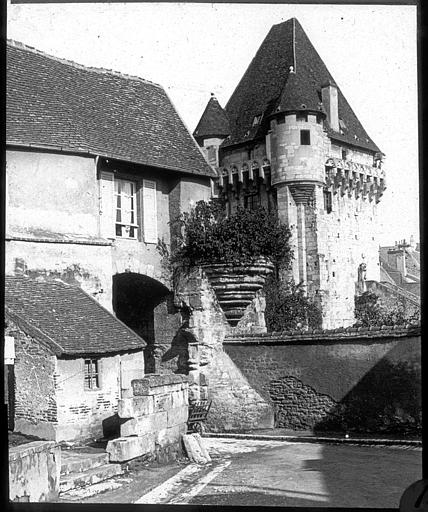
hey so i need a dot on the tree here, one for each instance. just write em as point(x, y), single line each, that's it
point(288, 308)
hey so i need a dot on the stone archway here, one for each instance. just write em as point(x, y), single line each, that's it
point(147, 307)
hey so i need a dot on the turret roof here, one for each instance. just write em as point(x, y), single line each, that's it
point(268, 85)
point(214, 121)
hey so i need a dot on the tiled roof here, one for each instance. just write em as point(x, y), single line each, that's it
point(214, 121)
point(324, 335)
point(268, 85)
point(63, 105)
point(66, 318)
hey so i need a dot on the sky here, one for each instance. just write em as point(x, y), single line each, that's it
point(194, 49)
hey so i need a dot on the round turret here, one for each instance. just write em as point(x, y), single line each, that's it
point(298, 147)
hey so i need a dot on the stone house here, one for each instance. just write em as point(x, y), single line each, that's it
point(74, 360)
point(289, 140)
point(98, 165)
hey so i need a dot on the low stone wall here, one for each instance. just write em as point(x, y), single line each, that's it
point(153, 419)
point(366, 381)
point(34, 471)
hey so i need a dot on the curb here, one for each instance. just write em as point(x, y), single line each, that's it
point(310, 439)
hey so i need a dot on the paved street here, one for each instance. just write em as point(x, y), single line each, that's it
point(275, 473)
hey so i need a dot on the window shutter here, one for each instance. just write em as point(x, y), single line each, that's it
point(107, 205)
point(150, 212)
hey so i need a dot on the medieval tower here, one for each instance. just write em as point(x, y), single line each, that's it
point(288, 140)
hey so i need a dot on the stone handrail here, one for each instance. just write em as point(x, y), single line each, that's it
point(411, 297)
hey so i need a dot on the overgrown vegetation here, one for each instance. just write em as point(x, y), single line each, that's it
point(207, 235)
point(371, 310)
point(288, 308)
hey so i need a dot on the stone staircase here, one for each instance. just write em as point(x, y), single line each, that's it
point(82, 472)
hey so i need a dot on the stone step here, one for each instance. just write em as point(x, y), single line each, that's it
point(234, 303)
point(72, 462)
point(89, 477)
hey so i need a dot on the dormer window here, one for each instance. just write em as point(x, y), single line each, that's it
point(342, 126)
point(257, 119)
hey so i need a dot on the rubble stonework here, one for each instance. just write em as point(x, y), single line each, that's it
point(364, 380)
point(153, 419)
point(212, 374)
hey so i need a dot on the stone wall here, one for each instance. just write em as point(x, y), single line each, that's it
point(92, 413)
point(153, 419)
point(362, 381)
point(35, 368)
point(212, 374)
point(34, 471)
point(60, 219)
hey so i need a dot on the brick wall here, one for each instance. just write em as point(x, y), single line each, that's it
point(35, 368)
point(361, 381)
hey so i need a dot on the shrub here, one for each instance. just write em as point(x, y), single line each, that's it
point(371, 310)
point(287, 307)
point(207, 235)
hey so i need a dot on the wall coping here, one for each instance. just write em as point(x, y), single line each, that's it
point(62, 240)
point(27, 449)
point(342, 334)
point(154, 380)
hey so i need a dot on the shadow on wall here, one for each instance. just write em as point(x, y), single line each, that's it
point(387, 399)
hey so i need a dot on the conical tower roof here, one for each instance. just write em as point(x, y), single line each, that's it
point(214, 121)
point(285, 74)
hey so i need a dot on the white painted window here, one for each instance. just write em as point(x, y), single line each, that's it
point(150, 230)
point(91, 374)
point(126, 205)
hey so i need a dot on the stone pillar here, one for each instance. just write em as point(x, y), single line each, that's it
point(287, 213)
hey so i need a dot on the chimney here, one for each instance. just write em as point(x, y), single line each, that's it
point(330, 103)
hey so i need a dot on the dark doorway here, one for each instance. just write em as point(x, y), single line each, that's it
point(138, 303)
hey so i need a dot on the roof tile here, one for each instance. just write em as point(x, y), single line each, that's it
point(266, 86)
point(58, 103)
point(74, 321)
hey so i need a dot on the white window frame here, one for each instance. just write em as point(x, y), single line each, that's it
point(125, 209)
point(91, 378)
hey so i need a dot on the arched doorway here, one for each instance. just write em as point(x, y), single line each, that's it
point(147, 307)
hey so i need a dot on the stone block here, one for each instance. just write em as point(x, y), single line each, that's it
point(195, 449)
point(123, 449)
point(156, 383)
point(163, 402)
point(179, 398)
point(136, 406)
point(170, 435)
point(144, 424)
point(178, 415)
